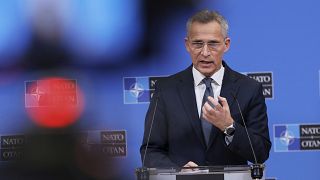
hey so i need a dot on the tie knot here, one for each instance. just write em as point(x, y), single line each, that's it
point(207, 81)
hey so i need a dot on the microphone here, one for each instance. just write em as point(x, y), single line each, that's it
point(143, 173)
point(151, 126)
point(256, 168)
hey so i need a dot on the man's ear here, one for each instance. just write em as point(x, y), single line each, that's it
point(186, 44)
point(227, 42)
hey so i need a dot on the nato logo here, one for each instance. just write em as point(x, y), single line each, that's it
point(296, 137)
point(138, 89)
point(286, 138)
point(266, 79)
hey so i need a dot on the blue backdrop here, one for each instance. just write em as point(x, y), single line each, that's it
point(281, 37)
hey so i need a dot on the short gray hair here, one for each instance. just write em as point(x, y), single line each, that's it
point(206, 16)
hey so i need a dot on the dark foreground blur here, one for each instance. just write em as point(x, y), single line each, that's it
point(59, 154)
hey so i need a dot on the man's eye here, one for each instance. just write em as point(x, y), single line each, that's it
point(213, 44)
point(197, 44)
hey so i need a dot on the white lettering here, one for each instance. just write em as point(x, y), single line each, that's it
point(267, 92)
point(261, 79)
point(113, 137)
point(13, 141)
point(153, 83)
point(64, 85)
point(310, 131)
point(12, 155)
point(311, 144)
point(114, 150)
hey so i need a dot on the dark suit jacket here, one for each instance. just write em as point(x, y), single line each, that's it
point(177, 137)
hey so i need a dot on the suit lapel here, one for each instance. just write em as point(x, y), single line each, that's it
point(228, 89)
point(187, 96)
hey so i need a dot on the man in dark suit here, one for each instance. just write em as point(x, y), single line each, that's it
point(197, 120)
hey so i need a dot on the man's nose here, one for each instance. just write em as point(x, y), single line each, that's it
point(205, 50)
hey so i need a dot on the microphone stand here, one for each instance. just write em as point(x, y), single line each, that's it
point(143, 173)
point(256, 168)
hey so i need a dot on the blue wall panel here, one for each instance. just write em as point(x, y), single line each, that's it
point(281, 37)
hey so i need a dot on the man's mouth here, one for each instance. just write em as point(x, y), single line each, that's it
point(206, 62)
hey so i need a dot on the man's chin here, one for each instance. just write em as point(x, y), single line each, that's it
point(207, 72)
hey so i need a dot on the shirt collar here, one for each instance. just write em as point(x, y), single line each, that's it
point(217, 76)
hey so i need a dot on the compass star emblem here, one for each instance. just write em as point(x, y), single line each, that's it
point(136, 90)
point(37, 93)
point(287, 138)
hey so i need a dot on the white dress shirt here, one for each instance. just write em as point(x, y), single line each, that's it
point(200, 87)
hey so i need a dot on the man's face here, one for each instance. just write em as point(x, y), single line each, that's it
point(206, 45)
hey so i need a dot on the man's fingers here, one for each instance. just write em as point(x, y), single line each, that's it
point(189, 167)
point(191, 164)
point(223, 101)
point(215, 103)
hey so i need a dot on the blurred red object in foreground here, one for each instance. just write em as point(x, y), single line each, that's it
point(53, 102)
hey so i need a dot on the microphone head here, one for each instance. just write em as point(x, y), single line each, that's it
point(142, 173)
point(257, 171)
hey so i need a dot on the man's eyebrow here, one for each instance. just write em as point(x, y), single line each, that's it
point(201, 41)
point(197, 40)
point(214, 41)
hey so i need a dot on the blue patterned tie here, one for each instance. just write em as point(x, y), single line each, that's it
point(206, 126)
